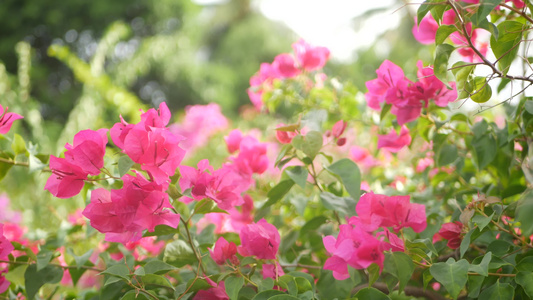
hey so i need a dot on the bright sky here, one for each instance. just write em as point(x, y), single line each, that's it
point(330, 23)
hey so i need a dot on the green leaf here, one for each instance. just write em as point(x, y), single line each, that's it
point(467, 239)
point(134, 295)
point(498, 291)
point(119, 270)
point(373, 273)
point(525, 279)
point(4, 168)
point(313, 224)
point(205, 206)
point(482, 221)
point(442, 55)
point(179, 254)
point(443, 32)
point(371, 293)
point(80, 260)
point(484, 149)
point(310, 144)
point(479, 89)
point(461, 70)
point(303, 285)
point(266, 284)
point(423, 9)
point(401, 266)
point(384, 111)
point(18, 145)
point(484, 9)
point(447, 155)
point(349, 174)
point(43, 258)
point(451, 274)
point(34, 280)
point(506, 46)
point(524, 211)
point(157, 280)
point(298, 174)
point(265, 295)
point(233, 286)
point(124, 165)
point(282, 152)
point(528, 105)
point(157, 267)
point(283, 297)
point(474, 285)
point(339, 204)
point(483, 267)
point(287, 282)
point(278, 191)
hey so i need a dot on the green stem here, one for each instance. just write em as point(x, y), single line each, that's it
point(189, 238)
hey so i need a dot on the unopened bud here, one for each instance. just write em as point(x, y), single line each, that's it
point(341, 141)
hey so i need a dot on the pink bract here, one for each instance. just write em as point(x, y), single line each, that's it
point(224, 250)
point(259, 239)
point(394, 142)
point(7, 119)
point(309, 57)
point(286, 65)
point(66, 180)
point(88, 150)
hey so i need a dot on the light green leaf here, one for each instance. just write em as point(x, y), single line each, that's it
point(443, 32)
point(179, 253)
point(124, 165)
point(119, 270)
point(278, 191)
point(207, 205)
point(506, 46)
point(233, 286)
point(483, 267)
point(43, 258)
point(525, 279)
point(442, 55)
point(18, 145)
point(298, 174)
point(157, 267)
point(349, 174)
point(484, 9)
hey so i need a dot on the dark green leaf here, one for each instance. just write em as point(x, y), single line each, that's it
point(80, 260)
point(157, 267)
point(34, 280)
point(287, 282)
point(401, 266)
point(373, 273)
point(447, 155)
point(498, 291)
point(525, 279)
point(265, 295)
point(43, 258)
point(349, 174)
point(298, 174)
point(371, 293)
point(338, 204)
point(483, 267)
point(157, 280)
point(451, 274)
point(233, 286)
point(283, 297)
point(484, 150)
point(423, 9)
point(524, 211)
point(118, 270)
point(482, 221)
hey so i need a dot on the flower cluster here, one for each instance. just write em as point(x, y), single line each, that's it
point(226, 185)
point(306, 58)
point(407, 98)
point(452, 232)
point(358, 247)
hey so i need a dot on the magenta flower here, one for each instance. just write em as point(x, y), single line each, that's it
point(389, 86)
point(195, 179)
point(7, 119)
point(5, 245)
point(427, 29)
point(273, 271)
point(66, 180)
point(452, 232)
point(376, 211)
point(285, 137)
point(88, 150)
point(259, 239)
point(252, 157)
point(286, 65)
point(217, 292)
point(309, 57)
point(394, 142)
point(233, 140)
point(223, 251)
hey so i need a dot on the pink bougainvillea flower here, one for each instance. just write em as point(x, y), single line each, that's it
point(252, 157)
point(376, 211)
point(286, 65)
point(223, 251)
point(310, 58)
point(256, 97)
point(226, 187)
point(233, 140)
point(6, 214)
point(452, 232)
point(259, 239)
point(425, 32)
point(233, 221)
point(217, 292)
point(394, 142)
point(5, 245)
point(273, 271)
point(390, 83)
point(196, 179)
point(7, 119)
point(66, 180)
point(88, 150)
